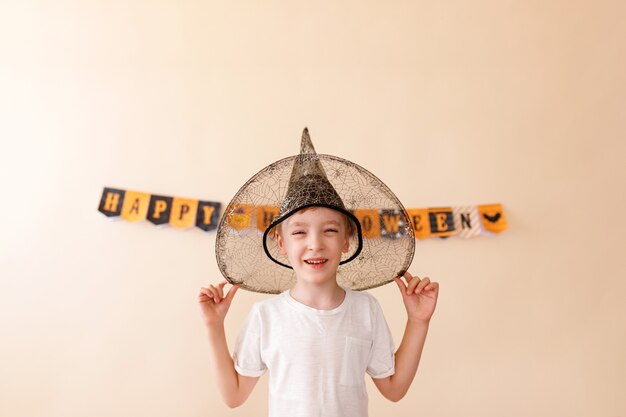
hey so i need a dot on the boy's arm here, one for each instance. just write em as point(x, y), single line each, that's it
point(407, 359)
point(234, 388)
point(420, 299)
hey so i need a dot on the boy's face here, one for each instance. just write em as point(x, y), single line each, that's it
point(313, 241)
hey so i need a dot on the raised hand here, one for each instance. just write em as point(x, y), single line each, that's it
point(213, 304)
point(419, 296)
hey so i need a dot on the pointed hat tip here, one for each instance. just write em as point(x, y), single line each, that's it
point(306, 146)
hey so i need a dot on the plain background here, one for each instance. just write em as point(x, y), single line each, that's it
point(449, 103)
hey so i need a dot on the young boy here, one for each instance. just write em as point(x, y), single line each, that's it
point(318, 338)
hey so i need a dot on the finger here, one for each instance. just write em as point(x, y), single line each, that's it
point(408, 277)
point(205, 291)
point(210, 291)
point(412, 285)
point(205, 295)
point(401, 285)
point(423, 283)
point(433, 286)
point(215, 293)
point(231, 292)
point(220, 289)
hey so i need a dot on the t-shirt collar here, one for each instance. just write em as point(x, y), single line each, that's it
point(302, 307)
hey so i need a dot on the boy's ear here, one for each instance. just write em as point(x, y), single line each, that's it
point(346, 244)
point(280, 243)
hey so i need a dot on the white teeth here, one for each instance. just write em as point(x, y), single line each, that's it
point(315, 262)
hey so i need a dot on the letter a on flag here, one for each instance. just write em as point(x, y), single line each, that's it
point(135, 206)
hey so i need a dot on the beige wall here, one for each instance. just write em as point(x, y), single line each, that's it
point(450, 103)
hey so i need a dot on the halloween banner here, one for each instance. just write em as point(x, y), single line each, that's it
point(464, 221)
point(159, 210)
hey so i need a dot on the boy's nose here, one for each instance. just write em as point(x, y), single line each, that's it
point(314, 241)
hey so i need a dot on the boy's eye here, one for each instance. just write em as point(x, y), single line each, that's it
point(297, 232)
point(331, 230)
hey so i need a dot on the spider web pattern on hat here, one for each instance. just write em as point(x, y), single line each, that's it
point(239, 249)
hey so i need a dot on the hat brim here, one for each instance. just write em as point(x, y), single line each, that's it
point(358, 235)
point(241, 245)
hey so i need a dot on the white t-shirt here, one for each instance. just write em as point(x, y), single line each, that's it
point(317, 358)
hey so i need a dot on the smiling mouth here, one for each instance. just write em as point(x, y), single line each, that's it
point(315, 261)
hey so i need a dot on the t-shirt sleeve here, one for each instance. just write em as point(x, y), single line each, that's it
point(247, 352)
point(382, 358)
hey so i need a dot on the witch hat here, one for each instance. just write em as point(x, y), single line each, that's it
point(309, 187)
point(249, 255)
